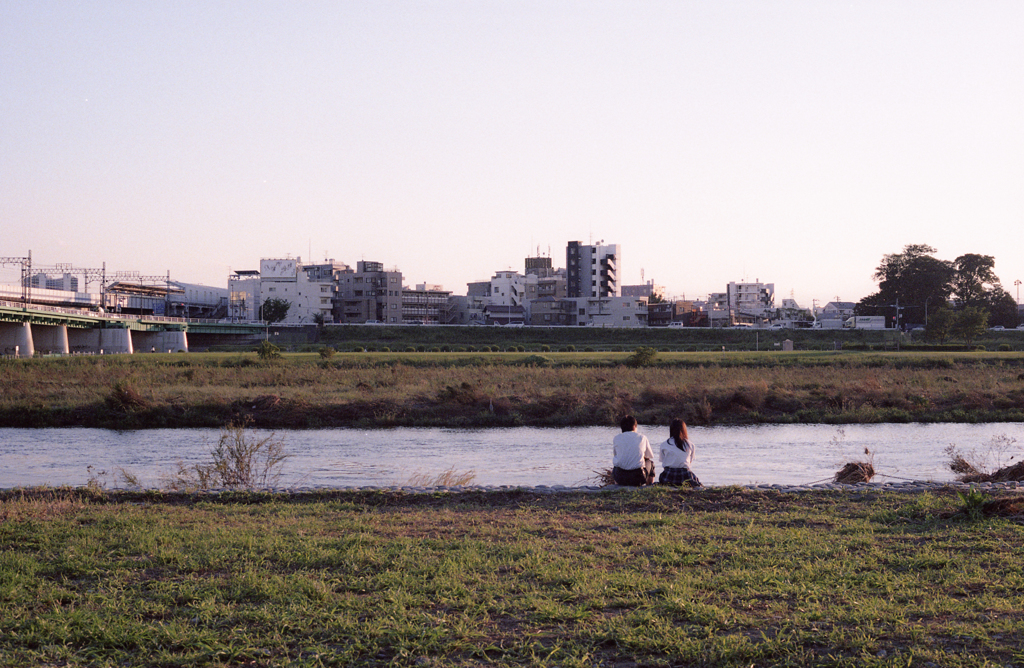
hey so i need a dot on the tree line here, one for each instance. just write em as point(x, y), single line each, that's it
point(950, 299)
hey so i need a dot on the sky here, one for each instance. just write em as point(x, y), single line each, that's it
point(794, 143)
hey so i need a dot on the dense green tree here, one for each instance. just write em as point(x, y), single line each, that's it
point(1002, 309)
point(913, 279)
point(939, 325)
point(275, 309)
point(969, 324)
point(975, 280)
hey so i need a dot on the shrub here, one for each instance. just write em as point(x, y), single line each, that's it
point(642, 357)
point(545, 348)
point(1005, 347)
point(327, 352)
point(268, 351)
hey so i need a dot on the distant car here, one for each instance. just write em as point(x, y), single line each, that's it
point(997, 328)
point(777, 325)
point(676, 323)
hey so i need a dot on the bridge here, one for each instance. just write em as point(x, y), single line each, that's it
point(27, 329)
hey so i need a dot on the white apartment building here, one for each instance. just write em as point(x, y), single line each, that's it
point(611, 311)
point(309, 289)
point(244, 296)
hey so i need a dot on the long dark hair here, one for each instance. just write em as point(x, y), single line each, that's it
point(677, 432)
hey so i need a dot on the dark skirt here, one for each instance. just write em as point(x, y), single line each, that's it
point(679, 477)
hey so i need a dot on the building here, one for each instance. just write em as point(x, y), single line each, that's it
point(505, 299)
point(426, 305)
point(611, 311)
point(371, 293)
point(309, 289)
point(553, 312)
point(592, 271)
point(244, 296)
point(648, 289)
point(189, 300)
point(841, 311)
point(66, 282)
point(742, 303)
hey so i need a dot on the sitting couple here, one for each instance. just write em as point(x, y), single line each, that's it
point(633, 459)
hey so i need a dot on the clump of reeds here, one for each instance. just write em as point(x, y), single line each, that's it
point(604, 477)
point(990, 465)
point(241, 460)
point(448, 478)
point(123, 396)
point(855, 472)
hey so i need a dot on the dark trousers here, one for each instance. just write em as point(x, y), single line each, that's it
point(634, 477)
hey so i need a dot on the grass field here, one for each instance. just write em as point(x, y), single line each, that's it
point(495, 389)
point(653, 577)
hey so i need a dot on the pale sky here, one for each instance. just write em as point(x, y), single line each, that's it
point(791, 142)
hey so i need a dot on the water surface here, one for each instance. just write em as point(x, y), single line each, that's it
point(783, 454)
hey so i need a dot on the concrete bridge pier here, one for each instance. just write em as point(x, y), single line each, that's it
point(115, 341)
point(84, 341)
point(161, 342)
point(51, 339)
point(16, 339)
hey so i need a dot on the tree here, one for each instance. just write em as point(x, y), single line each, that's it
point(975, 279)
point(275, 309)
point(1002, 309)
point(939, 325)
point(969, 324)
point(913, 279)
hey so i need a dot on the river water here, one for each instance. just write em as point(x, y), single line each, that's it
point(772, 454)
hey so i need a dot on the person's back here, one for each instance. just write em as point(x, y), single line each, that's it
point(632, 456)
point(677, 457)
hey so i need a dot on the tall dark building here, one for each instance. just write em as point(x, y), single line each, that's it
point(592, 271)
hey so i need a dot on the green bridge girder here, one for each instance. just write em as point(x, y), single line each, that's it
point(79, 320)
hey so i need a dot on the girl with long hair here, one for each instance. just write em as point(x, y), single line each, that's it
point(677, 456)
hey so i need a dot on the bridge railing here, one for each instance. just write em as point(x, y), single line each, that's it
point(115, 317)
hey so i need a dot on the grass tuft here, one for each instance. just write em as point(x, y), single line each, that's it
point(448, 478)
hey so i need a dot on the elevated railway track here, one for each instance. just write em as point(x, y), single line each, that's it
point(27, 329)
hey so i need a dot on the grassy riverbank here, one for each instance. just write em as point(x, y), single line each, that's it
point(505, 389)
point(653, 577)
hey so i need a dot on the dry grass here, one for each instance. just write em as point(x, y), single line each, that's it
point(989, 463)
point(447, 478)
point(855, 472)
point(198, 390)
point(603, 477)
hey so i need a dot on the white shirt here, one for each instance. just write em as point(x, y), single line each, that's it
point(674, 458)
point(630, 449)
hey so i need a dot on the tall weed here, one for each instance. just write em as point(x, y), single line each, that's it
point(977, 464)
point(241, 460)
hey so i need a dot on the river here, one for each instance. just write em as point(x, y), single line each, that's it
point(768, 454)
